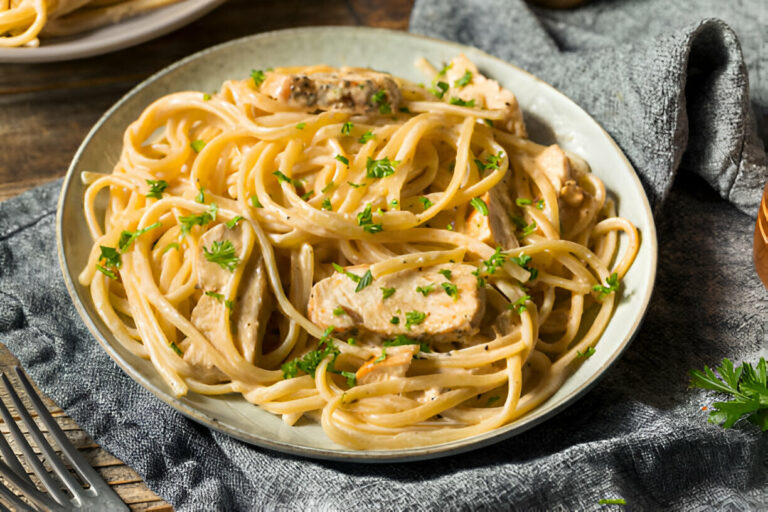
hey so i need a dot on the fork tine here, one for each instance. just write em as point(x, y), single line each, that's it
point(32, 460)
point(27, 488)
point(75, 458)
point(10, 458)
point(56, 463)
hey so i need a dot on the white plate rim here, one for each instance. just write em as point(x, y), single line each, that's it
point(413, 454)
point(153, 24)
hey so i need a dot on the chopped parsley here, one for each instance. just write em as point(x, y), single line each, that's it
point(451, 289)
point(342, 159)
point(460, 102)
point(440, 89)
point(425, 202)
point(223, 254)
point(587, 353)
point(616, 501)
point(219, 297)
point(176, 349)
point(351, 378)
point(255, 202)
point(306, 195)
point(529, 229)
point(339, 311)
point(258, 77)
point(282, 178)
point(522, 201)
point(355, 185)
point(301, 126)
point(380, 168)
point(309, 362)
point(414, 318)
point(365, 220)
point(479, 205)
point(401, 340)
point(405, 110)
point(206, 96)
point(200, 197)
point(188, 222)
point(351, 341)
point(326, 204)
point(346, 128)
point(445, 69)
point(445, 272)
point(127, 237)
point(491, 162)
point(366, 280)
point(109, 261)
point(172, 245)
point(394, 320)
point(523, 261)
point(366, 137)
point(489, 266)
point(379, 98)
point(197, 145)
point(362, 282)
point(387, 292)
point(156, 188)
point(747, 386)
point(424, 290)
point(465, 79)
point(382, 357)
point(612, 284)
point(232, 223)
point(328, 187)
point(491, 400)
point(540, 204)
point(519, 305)
point(488, 122)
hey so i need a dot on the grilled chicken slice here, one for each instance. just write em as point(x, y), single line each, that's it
point(334, 302)
point(355, 90)
point(395, 363)
point(565, 178)
point(485, 92)
point(496, 228)
point(250, 308)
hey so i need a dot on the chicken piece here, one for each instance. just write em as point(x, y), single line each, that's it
point(249, 311)
point(355, 90)
point(395, 364)
point(436, 315)
point(496, 228)
point(486, 93)
point(205, 371)
point(253, 307)
point(565, 178)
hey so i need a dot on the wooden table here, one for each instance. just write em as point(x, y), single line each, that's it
point(47, 109)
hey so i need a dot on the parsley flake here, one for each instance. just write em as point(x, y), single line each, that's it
point(156, 188)
point(339, 311)
point(197, 145)
point(366, 137)
point(223, 254)
point(380, 168)
point(461, 103)
point(127, 237)
point(387, 292)
point(326, 204)
point(394, 320)
point(587, 353)
point(451, 289)
point(232, 223)
point(479, 205)
point(342, 159)
point(301, 126)
point(519, 305)
point(465, 79)
point(401, 340)
point(446, 273)
point(258, 77)
point(414, 318)
point(424, 290)
point(255, 202)
point(346, 128)
point(365, 220)
point(200, 197)
point(612, 285)
point(522, 201)
point(382, 357)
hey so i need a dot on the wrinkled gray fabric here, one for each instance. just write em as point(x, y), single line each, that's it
point(640, 434)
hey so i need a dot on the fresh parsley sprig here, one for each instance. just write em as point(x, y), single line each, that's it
point(223, 254)
point(747, 386)
point(611, 285)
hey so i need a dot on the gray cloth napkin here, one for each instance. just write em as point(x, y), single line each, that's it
point(672, 89)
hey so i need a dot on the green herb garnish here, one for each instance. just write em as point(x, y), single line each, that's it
point(156, 188)
point(223, 254)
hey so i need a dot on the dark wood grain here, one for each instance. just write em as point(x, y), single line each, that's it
point(47, 109)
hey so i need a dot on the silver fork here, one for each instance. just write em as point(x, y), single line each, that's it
point(97, 497)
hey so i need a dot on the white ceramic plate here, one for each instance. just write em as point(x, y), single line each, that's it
point(110, 38)
point(551, 115)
